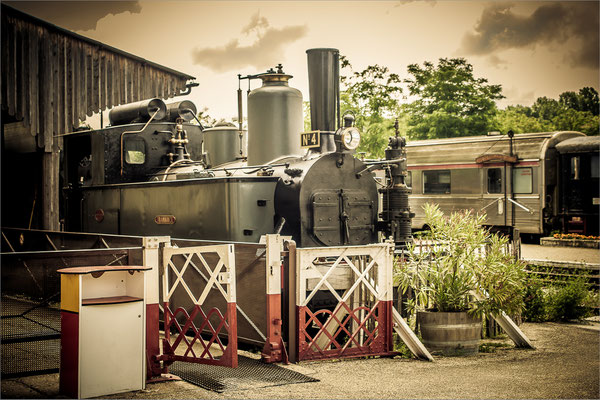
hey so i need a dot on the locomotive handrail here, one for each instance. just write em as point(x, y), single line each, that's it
point(378, 162)
point(229, 169)
point(374, 164)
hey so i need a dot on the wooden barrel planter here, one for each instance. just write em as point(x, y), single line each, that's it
point(450, 333)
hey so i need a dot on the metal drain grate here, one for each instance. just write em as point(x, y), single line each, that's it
point(250, 374)
point(30, 337)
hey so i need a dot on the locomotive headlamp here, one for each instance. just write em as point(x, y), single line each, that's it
point(350, 138)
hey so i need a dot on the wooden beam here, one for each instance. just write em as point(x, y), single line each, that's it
point(50, 191)
point(511, 329)
point(292, 313)
point(409, 338)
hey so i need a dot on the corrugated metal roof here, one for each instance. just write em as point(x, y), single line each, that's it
point(53, 78)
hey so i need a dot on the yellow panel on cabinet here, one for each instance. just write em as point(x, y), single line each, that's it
point(69, 292)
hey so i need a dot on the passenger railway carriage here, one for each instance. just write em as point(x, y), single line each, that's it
point(521, 181)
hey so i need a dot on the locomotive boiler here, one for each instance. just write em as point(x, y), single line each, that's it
point(154, 172)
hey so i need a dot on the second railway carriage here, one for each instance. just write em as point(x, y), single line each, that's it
point(579, 184)
point(514, 179)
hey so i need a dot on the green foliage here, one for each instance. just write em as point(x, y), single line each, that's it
point(573, 120)
point(519, 122)
point(569, 301)
point(306, 112)
point(571, 112)
point(569, 100)
point(491, 347)
point(586, 100)
point(372, 95)
point(535, 301)
point(205, 118)
point(589, 100)
point(545, 108)
point(446, 278)
point(450, 100)
point(565, 299)
point(401, 347)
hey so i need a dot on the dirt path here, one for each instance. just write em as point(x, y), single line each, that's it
point(565, 364)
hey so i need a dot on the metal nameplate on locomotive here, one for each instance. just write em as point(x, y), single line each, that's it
point(310, 139)
point(165, 219)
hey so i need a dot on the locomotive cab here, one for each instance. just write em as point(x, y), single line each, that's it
point(132, 149)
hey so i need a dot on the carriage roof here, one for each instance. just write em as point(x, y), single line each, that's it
point(526, 146)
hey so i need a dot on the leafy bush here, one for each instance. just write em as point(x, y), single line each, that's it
point(569, 301)
point(563, 300)
point(445, 278)
point(535, 301)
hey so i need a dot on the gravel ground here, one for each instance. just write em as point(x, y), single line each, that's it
point(537, 252)
point(565, 364)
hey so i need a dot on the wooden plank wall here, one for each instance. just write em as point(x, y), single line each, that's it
point(52, 79)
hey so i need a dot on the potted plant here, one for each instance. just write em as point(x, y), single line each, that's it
point(459, 258)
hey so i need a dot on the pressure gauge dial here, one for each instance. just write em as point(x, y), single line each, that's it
point(350, 138)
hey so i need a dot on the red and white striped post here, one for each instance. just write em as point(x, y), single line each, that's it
point(274, 348)
point(151, 258)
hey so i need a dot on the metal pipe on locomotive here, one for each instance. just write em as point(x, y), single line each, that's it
point(152, 172)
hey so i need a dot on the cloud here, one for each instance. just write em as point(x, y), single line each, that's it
point(514, 95)
point(499, 28)
point(497, 62)
point(400, 3)
point(256, 24)
point(264, 52)
point(75, 15)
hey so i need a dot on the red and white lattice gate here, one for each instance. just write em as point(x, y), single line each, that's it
point(344, 301)
point(193, 331)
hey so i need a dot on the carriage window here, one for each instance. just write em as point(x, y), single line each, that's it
point(135, 151)
point(494, 180)
point(595, 167)
point(575, 167)
point(522, 180)
point(436, 182)
point(408, 179)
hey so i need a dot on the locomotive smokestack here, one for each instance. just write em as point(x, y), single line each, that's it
point(324, 93)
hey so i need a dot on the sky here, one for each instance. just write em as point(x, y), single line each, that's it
point(531, 48)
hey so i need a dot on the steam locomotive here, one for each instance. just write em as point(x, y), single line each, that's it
point(154, 172)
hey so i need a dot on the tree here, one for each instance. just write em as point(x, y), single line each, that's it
point(516, 119)
point(546, 108)
point(450, 100)
point(306, 114)
point(517, 108)
point(573, 120)
point(205, 118)
point(372, 92)
point(373, 96)
point(572, 111)
point(589, 100)
point(570, 100)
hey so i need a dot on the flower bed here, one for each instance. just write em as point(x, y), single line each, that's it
point(571, 240)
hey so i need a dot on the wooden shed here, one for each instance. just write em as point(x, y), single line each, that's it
point(52, 79)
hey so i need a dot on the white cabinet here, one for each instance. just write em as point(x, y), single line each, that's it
point(103, 330)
